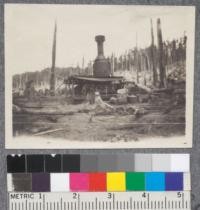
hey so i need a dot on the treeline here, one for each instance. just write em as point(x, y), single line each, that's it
point(41, 79)
point(151, 66)
point(154, 62)
point(141, 59)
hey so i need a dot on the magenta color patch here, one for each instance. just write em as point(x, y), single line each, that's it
point(79, 182)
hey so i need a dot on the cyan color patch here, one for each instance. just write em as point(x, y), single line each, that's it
point(155, 181)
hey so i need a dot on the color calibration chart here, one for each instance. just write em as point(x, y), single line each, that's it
point(98, 182)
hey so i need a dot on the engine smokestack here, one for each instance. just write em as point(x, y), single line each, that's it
point(100, 40)
point(102, 67)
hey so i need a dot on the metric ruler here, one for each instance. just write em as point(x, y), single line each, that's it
point(100, 201)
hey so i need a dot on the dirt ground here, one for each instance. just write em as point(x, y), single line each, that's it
point(59, 119)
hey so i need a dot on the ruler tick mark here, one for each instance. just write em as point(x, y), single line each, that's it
point(144, 205)
point(124, 205)
point(131, 202)
point(99, 201)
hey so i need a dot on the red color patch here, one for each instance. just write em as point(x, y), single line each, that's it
point(97, 182)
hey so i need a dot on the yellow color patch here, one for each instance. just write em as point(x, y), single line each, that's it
point(116, 181)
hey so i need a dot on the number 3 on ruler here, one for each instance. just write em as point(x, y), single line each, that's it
point(110, 195)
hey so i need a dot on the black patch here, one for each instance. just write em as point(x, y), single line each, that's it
point(35, 163)
point(16, 164)
point(53, 163)
point(71, 163)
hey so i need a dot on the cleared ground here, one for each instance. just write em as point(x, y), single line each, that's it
point(129, 122)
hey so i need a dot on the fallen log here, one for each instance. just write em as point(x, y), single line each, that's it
point(122, 127)
point(163, 90)
point(39, 112)
point(48, 131)
point(148, 90)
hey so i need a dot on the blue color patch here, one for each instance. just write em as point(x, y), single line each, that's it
point(174, 181)
point(155, 181)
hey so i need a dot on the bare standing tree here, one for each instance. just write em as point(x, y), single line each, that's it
point(160, 55)
point(155, 76)
point(52, 79)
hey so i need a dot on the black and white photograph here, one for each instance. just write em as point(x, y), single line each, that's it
point(99, 76)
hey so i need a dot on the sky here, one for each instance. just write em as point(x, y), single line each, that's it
point(29, 31)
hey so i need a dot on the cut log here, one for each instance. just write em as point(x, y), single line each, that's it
point(163, 90)
point(132, 99)
point(48, 131)
point(39, 112)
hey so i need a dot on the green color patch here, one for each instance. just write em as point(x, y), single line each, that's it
point(135, 181)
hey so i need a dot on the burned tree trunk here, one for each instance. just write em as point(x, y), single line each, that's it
point(155, 76)
point(137, 66)
point(52, 77)
point(160, 55)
